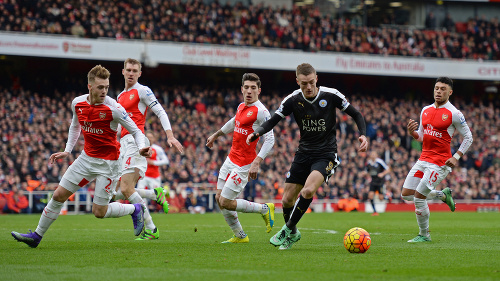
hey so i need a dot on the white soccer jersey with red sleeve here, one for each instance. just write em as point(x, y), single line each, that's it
point(247, 119)
point(99, 124)
point(159, 158)
point(436, 129)
point(136, 101)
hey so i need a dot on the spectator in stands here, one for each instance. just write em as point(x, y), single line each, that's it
point(302, 28)
point(448, 23)
point(430, 21)
point(195, 203)
point(348, 203)
point(16, 202)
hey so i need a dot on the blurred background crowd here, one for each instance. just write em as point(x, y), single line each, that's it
point(35, 117)
point(303, 28)
point(34, 126)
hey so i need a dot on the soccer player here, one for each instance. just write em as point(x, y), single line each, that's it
point(243, 160)
point(314, 110)
point(152, 180)
point(97, 116)
point(136, 99)
point(438, 123)
point(377, 169)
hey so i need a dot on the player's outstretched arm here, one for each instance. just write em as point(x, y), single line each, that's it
point(172, 141)
point(146, 151)
point(252, 137)
point(364, 143)
point(412, 127)
point(213, 137)
point(254, 168)
point(58, 155)
point(264, 128)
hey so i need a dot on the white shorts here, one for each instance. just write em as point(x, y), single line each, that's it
point(235, 178)
point(130, 157)
point(150, 183)
point(85, 169)
point(424, 177)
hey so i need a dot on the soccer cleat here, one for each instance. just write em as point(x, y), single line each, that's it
point(235, 239)
point(149, 235)
point(279, 238)
point(32, 239)
point(290, 240)
point(449, 199)
point(161, 198)
point(138, 219)
point(269, 217)
point(374, 214)
point(420, 238)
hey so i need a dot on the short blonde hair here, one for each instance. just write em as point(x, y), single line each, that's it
point(98, 71)
point(133, 62)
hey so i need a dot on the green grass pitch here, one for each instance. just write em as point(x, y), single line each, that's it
point(465, 246)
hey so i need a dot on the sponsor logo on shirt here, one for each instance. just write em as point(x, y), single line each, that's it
point(87, 127)
point(237, 129)
point(312, 125)
point(300, 103)
point(429, 130)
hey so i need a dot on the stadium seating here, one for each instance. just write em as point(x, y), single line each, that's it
point(300, 28)
point(33, 126)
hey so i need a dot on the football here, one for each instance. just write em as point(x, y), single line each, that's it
point(357, 240)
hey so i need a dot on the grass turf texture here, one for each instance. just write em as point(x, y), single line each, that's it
point(464, 247)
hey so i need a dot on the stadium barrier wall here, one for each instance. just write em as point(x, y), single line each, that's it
point(81, 203)
point(153, 53)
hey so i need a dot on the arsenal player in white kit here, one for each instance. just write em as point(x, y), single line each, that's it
point(243, 160)
point(97, 116)
point(438, 123)
point(137, 99)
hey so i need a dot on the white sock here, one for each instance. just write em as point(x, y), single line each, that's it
point(116, 210)
point(148, 220)
point(422, 212)
point(49, 215)
point(231, 218)
point(147, 193)
point(436, 194)
point(119, 195)
point(245, 206)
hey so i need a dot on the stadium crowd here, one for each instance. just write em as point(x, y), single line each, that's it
point(303, 28)
point(33, 126)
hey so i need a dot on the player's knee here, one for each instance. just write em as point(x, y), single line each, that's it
point(225, 203)
point(287, 202)
point(98, 213)
point(307, 193)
